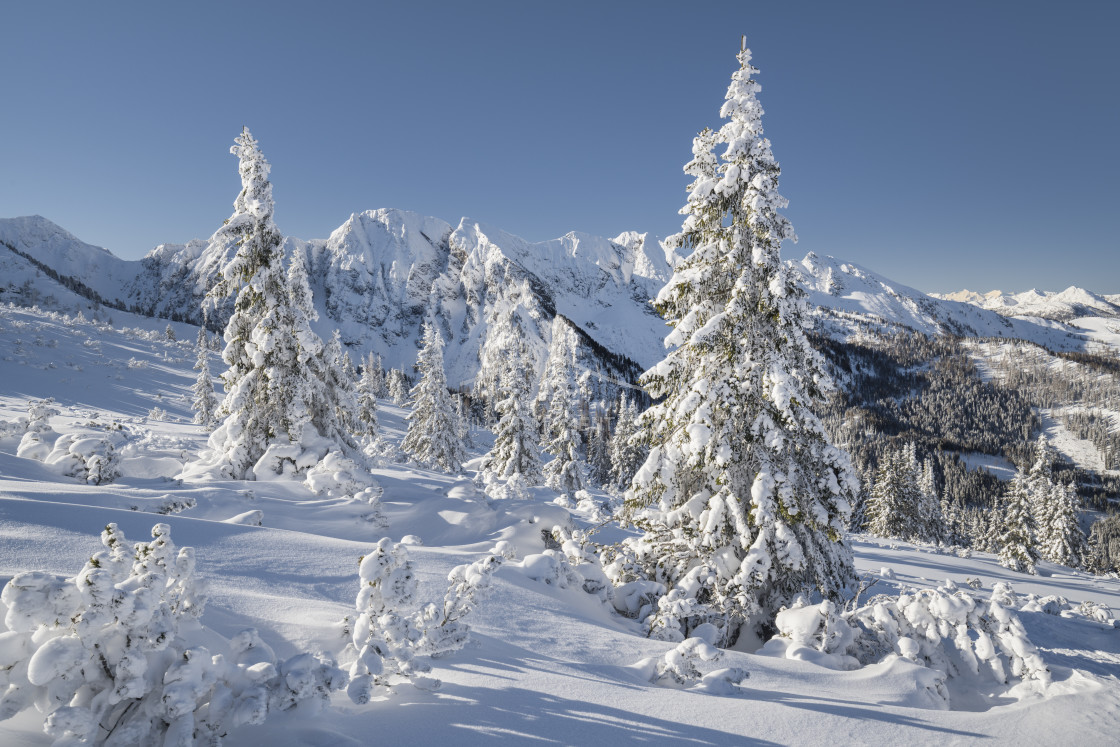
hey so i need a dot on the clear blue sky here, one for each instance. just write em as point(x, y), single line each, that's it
point(946, 145)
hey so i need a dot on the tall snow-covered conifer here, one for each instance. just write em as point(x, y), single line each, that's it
point(433, 425)
point(275, 396)
point(627, 452)
point(1060, 537)
point(369, 387)
point(1016, 527)
point(397, 385)
point(205, 401)
point(743, 500)
point(340, 380)
point(903, 500)
point(516, 449)
point(565, 472)
point(599, 449)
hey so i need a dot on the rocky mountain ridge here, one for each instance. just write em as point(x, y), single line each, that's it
point(379, 275)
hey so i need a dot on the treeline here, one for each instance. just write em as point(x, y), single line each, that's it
point(904, 387)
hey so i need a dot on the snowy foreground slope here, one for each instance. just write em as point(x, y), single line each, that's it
point(546, 664)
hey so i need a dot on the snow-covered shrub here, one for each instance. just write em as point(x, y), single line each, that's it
point(388, 633)
point(254, 518)
point(158, 414)
point(945, 629)
point(338, 476)
point(169, 504)
point(583, 557)
point(551, 568)
point(680, 667)
point(1003, 594)
point(1050, 604)
point(1096, 611)
point(443, 628)
point(109, 652)
point(90, 459)
point(39, 437)
point(820, 628)
point(283, 461)
point(515, 487)
point(10, 428)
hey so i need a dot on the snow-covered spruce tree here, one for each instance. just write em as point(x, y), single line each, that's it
point(903, 500)
point(1054, 507)
point(205, 401)
point(275, 396)
point(1016, 526)
point(892, 509)
point(584, 395)
point(931, 522)
point(1060, 537)
point(397, 386)
point(369, 388)
point(433, 424)
point(381, 387)
point(599, 450)
point(462, 413)
point(628, 451)
point(953, 532)
point(515, 450)
point(1104, 545)
point(743, 501)
point(565, 472)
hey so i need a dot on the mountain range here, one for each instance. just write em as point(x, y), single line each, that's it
point(379, 275)
point(1065, 305)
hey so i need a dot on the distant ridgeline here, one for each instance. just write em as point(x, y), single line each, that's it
point(79, 288)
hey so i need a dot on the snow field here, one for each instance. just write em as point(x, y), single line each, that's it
point(547, 664)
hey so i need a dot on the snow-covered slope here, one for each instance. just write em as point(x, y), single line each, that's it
point(51, 246)
point(549, 663)
point(851, 293)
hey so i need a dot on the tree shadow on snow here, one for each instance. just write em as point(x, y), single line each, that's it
point(521, 715)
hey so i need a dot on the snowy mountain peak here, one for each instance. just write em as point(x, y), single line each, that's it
point(35, 230)
point(52, 246)
point(849, 293)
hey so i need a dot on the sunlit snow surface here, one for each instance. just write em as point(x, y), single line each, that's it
point(549, 665)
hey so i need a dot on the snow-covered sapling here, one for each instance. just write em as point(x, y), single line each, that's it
point(388, 633)
point(681, 667)
point(38, 438)
point(103, 654)
point(433, 425)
